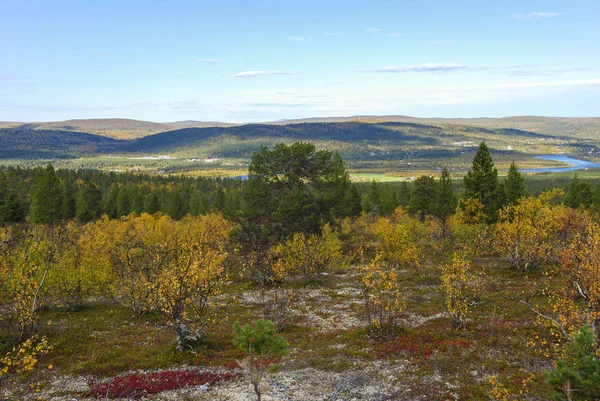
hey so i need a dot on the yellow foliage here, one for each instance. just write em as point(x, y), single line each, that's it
point(382, 294)
point(26, 265)
point(472, 211)
point(24, 358)
point(400, 240)
point(308, 256)
point(527, 233)
point(460, 286)
point(81, 271)
point(194, 269)
point(498, 391)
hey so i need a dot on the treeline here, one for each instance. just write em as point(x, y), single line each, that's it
point(45, 195)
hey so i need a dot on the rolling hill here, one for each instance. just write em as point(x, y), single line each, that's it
point(365, 144)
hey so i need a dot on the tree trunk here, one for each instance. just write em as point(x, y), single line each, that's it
point(186, 338)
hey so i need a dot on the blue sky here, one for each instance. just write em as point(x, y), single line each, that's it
point(261, 60)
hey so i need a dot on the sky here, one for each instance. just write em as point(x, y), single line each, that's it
point(265, 60)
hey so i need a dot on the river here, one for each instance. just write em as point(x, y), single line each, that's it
point(574, 164)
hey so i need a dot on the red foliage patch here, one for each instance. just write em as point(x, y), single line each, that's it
point(136, 386)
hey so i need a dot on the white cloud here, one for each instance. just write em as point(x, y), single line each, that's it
point(207, 60)
point(536, 14)
point(426, 67)
point(370, 30)
point(300, 38)
point(518, 85)
point(260, 73)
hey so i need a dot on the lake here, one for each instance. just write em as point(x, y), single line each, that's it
point(574, 164)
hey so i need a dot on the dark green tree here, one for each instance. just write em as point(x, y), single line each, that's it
point(88, 206)
point(445, 200)
point(219, 200)
point(12, 208)
point(514, 185)
point(387, 200)
point(110, 202)
point(260, 342)
point(68, 200)
point(374, 197)
point(423, 198)
point(289, 189)
point(577, 375)
point(580, 194)
point(46, 201)
point(481, 183)
point(404, 194)
point(123, 202)
point(176, 207)
point(152, 203)
point(351, 203)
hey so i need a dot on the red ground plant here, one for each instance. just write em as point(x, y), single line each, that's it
point(137, 385)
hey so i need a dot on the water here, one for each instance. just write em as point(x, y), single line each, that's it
point(574, 164)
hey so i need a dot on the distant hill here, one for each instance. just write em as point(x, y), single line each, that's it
point(26, 143)
point(200, 124)
point(364, 144)
point(585, 128)
point(571, 127)
point(118, 128)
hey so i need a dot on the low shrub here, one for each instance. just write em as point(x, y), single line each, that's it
point(138, 385)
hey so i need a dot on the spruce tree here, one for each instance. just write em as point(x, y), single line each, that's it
point(514, 185)
point(445, 201)
point(404, 194)
point(387, 200)
point(374, 197)
point(69, 207)
point(481, 183)
point(46, 202)
point(351, 203)
point(580, 194)
point(88, 206)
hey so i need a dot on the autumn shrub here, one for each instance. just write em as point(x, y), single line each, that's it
point(307, 256)
point(400, 240)
point(81, 271)
point(138, 385)
point(276, 305)
point(23, 360)
point(382, 295)
point(460, 285)
point(528, 230)
point(26, 264)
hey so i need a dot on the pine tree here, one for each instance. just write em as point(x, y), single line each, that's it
point(514, 185)
point(445, 201)
point(423, 199)
point(481, 183)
